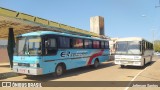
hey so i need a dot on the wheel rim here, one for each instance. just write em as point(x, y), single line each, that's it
point(59, 70)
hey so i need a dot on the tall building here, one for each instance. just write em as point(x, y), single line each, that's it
point(97, 25)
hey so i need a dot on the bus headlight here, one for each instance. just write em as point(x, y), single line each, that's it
point(15, 64)
point(33, 65)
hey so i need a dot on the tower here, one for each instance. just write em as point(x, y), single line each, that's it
point(97, 25)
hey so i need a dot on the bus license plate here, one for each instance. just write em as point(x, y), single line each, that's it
point(22, 70)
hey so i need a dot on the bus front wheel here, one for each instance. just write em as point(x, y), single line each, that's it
point(59, 70)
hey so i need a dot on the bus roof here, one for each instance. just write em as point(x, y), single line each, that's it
point(40, 33)
point(131, 39)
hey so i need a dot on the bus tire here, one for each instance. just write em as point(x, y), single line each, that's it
point(144, 63)
point(96, 63)
point(122, 66)
point(59, 70)
point(151, 59)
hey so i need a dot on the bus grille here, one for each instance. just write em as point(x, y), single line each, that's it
point(24, 64)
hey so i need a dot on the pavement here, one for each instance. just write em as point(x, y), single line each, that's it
point(150, 73)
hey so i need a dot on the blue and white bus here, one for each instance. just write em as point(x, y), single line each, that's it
point(45, 52)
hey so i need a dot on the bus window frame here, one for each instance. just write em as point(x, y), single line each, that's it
point(16, 45)
point(99, 46)
point(145, 46)
point(44, 47)
point(91, 44)
point(72, 46)
point(57, 37)
point(103, 44)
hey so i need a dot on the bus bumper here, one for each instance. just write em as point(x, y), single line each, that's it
point(132, 63)
point(28, 71)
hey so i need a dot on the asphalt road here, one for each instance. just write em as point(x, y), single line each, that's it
point(107, 71)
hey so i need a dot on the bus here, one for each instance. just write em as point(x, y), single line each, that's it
point(44, 52)
point(134, 51)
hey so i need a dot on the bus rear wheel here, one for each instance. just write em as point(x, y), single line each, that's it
point(59, 70)
point(144, 63)
point(96, 63)
point(122, 66)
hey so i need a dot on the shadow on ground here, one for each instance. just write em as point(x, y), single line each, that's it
point(69, 73)
point(8, 75)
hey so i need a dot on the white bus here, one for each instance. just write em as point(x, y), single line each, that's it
point(133, 51)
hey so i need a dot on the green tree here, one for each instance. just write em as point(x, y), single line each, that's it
point(157, 45)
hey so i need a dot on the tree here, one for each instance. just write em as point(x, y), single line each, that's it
point(157, 45)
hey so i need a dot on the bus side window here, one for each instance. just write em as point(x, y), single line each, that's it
point(77, 43)
point(143, 47)
point(106, 45)
point(96, 44)
point(50, 46)
point(87, 44)
point(140, 46)
point(102, 44)
point(64, 42)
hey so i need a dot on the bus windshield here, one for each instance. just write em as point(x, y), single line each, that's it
point(128, 47)
point(29, 46)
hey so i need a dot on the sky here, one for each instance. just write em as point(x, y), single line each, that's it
point(123, 18)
